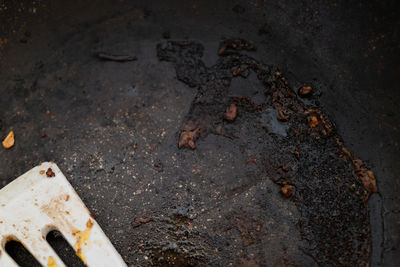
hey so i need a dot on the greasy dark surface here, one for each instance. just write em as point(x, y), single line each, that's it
point(113, 127)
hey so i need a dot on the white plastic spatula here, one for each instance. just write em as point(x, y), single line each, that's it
point(43, 200)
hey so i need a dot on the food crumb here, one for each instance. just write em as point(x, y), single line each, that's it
point(305, 91)
point(187, 139)
point(9, 141)
point(159, 166)
point(218, 130)
point(50, 173)
point(140, 220)
point(89, 224)
point(41, 172)
point(313, 122)
point(231, 112)
point(287, 190)
point(251, 160)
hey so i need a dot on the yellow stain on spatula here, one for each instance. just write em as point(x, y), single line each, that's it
point(51, 262)
point(83, 241)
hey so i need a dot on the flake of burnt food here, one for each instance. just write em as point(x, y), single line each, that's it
point(297, 153)
point(190, 131)
point(281, 115)
point(251, 160)
point(187, 139)
point(366, 176)
point(305, 91)
point(230, 45)
point(50, 173)
point(140, 220)
point(231, 112)
point(159, 166)
point(242, 71)
point(218, 130)
point(319, 124)
point(286, 190)
point(119, 58)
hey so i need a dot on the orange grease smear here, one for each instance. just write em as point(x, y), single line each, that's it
point(82, 241)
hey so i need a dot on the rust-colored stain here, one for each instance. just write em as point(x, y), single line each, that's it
point(51, 262)
point(83, 241)
point(56, 209)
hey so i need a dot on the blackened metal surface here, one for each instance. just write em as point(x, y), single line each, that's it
point(113, 127)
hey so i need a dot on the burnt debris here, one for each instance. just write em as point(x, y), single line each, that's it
point(118, 58)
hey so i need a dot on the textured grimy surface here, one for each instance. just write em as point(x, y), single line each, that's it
point(206, 205)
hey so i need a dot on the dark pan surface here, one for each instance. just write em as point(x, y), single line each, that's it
point(113, 124)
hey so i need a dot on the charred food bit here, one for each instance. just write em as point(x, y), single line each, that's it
point(282, 116)
point(305, 91)
point(187, 139)
point(119, 58)
point(287, 190)
point(140, 220)
point(320, 125)
point(234, 44)
point(366, 176)
point(312, 122)
point(9, 141)
point(231, 112)
point(218, 130)
point(159, 166)
point(251, 160)
point(222, 49)
point(297, 153)
point(50, 173)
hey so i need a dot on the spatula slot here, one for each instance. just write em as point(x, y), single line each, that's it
point(64, 250)
point(20, 254)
